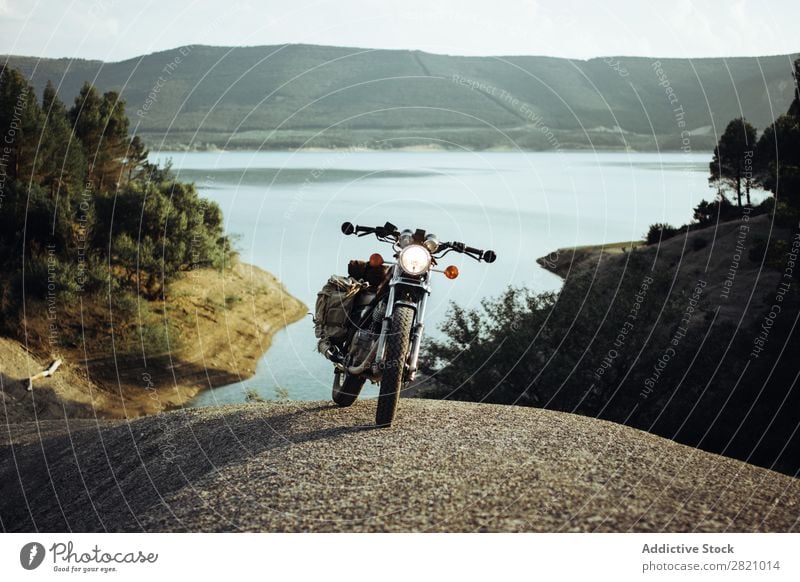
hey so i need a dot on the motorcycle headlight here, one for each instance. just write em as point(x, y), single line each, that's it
point(414, 259)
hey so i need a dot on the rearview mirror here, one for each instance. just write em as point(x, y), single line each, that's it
point(489, 256)
point(348, 228)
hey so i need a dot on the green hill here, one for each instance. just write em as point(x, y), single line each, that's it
point(317, 96)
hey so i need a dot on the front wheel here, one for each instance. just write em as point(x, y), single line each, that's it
point(345, 391)
point(397, 345)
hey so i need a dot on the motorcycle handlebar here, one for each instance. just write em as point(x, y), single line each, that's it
point(390, 230)
point(486, 256)
point(387, 230)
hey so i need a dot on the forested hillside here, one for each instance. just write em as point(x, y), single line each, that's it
point(317, 96)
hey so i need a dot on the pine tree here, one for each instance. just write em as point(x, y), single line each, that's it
point(136, 156)
point(21, 123)
point(732, 164)
point(102, 126)
point(62, 153)
point(115, 144)
point(794, 108)
point(779, 159)
point(87, 123)
point(778, 152)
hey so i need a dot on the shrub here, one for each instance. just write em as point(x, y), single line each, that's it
point(660, 232)
point(251, 396)
point(721, 210)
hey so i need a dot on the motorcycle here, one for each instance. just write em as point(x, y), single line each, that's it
point(386, 321)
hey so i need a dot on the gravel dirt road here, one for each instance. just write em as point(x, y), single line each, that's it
point(310, 466)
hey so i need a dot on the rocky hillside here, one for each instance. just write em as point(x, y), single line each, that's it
point(444, 466)
point(692, 338)
point(729, 257)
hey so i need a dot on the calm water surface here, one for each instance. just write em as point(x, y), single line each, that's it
point(287, 209)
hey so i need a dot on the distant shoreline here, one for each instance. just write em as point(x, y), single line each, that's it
point(183, 148)
point(561, 261)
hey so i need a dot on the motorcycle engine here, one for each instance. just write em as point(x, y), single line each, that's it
point(365, 338)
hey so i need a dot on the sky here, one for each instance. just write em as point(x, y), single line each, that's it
point(113, 30)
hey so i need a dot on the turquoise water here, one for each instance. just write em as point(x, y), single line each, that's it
point(287, 208)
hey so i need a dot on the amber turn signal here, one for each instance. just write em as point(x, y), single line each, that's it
point(375, 260)
point(451, 272)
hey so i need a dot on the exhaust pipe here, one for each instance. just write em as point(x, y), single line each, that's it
point(358, 370)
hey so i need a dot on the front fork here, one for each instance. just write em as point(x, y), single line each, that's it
point(419, 318)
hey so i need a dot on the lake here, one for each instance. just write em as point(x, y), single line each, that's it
point(287, 208)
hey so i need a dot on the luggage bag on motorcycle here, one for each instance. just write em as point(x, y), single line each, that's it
point(334, 302)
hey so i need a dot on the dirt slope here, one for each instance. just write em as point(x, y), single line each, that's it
point(444, 466)
point(223, 323)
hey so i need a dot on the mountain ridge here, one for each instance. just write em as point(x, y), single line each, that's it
point(377, 49)
point(300, 95)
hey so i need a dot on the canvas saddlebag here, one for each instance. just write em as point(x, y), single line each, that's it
point(332, 310)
